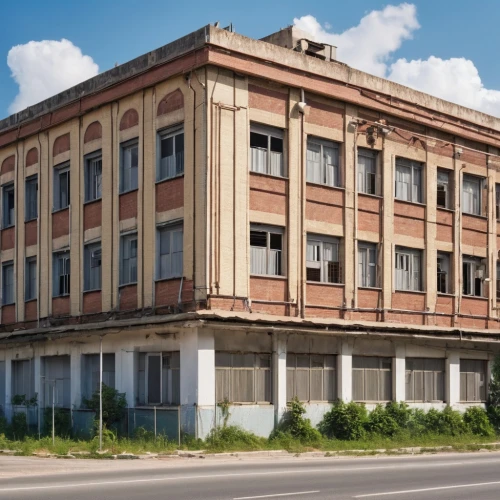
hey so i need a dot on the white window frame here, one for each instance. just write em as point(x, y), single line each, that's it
point(474, 270)
point(30, 280)
point(367, 171)
point(327, 174)
point(93, 176)
point(59, 182)
point(443, 185)
point(31, 198)
point(268, 254)
point(169, 169)
point(412, 190)
point(317, 250)
point(129, 174)
point(126, 275)
point(166, 257)
point(8, 283)
point(471, 194)
point(368, 265)
point(443, 269)
point(408, 269)
point(66, 275)
point(261, 159)
point(92, 279)
point(9, 213)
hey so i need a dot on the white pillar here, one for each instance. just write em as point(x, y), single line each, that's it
point(344, 370)
point(453, 378)
point(197, 353)
point(399, 374)
point(125, 370)
point(76, 377)
point(279, 379)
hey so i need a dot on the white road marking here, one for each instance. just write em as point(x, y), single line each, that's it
point(279, 495)
point(327, 470)
point(424, 490)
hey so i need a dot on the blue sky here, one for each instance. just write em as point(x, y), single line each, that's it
point(112, 31)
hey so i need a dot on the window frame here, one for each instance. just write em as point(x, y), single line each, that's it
point(475, 268)
point(363, 268)
point(479, 181)
point(445, 258)
point(8, 267)
point(124, 147)
point(28, 279)
point(30, 207)
point(438, 380)
point(414, 166)
point(412, 254)
point(60, 170)
point(56, 288)
point(270, 132)
point(379, 369)
point(124, 238)
point(8, 190)
point(370, 154)
point(92, 184)
point(166, 133)
point(92, 251)
point(447, 190)
point(322, 264)
point(170, 228)
point(269, 231)
point(336, 171)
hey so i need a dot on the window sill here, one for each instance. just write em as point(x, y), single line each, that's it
point(417, 292)
point(161, 181)
point(30, 220)
point(447, 294)
point(474, 297)
point(269, 175)
point(271, 276)
point(92, 290)
point(66, 295)
point(432, 401)
point(325, 283)
point(374, 288)
point(172, 278)
point(55, 210)
point(127, 192)
point(407, 202)
point(9, 304)
point(476, 216)
point(123, 285)
point(8, 227)
point(376, 196)
point(250, 403)
point(316, 184)
point(89, 202)
point(444, 209)
point(27, 301)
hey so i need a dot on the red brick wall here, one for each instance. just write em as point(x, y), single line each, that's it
point(61, 144)
point(92, 213)
point(92, 302)
point(318, 312)
point(369, 298)
point(60, 306)
point(8, 165)
point(267, 99)
point(32, 157)
point(60, 223)
point(474, 230)
point(409, 219)
point(30, 233)
point(268, 194)
point(474, 306)
point(325, 204)
point(93, 132)
point(129, 119)
point(324, 115)
point(444, 229)
point(170, 194)
point(369, 209)
point(167, 292)
point(227, 304)
point(128, 297)
point(408, 301)
point(324, 295)
point(30, 310)
point(8, 238)
point(411, 319)
point(128, 205)
point(264, 288)
point(9, 314)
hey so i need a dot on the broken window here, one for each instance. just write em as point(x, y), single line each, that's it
point(9, 218)
point(322, 259)
point(92, 266)
point(62, 273)
point(443, 273)
point(93, 177)
point(266, 247)
point(371, 378)
point(473, 274)
point(443, 188)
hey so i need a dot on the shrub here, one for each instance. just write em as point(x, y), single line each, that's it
point(296, 425)
point(417, 422)
point(380, 421)
point(449, 422)
point(113, 405)
point(232, 436)
point(344, 421)
point(19, 426)
point(62, 422)
point(493, 406)
point(399, 412)
point(476, 419)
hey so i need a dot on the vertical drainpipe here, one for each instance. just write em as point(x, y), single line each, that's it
point(81, 230)
point(303, 191)
point(142, 204)
point(234, 191)
point(155, 149)
point(16, 245)
point(354, 302)
point(38, 232)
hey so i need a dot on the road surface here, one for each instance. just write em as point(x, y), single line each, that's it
point(448, 476)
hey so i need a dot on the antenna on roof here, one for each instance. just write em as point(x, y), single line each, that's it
point(216, 24)
point(229, 28)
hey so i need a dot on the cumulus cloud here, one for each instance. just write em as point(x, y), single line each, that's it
point(370, 45)
point(42, 69)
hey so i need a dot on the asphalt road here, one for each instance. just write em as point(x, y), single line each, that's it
point(449, 476)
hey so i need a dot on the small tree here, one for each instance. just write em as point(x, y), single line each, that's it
point(494, 395)
point(113, 405)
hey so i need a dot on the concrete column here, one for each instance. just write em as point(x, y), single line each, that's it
point(279, 377)
point(197, 352)
point(399, 374)
point(8, 385)
point(453, 378)
point(76, 377)
point(125, 370)
point(344, 371)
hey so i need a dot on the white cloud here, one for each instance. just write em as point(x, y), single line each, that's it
point(42, 69)
point(370, 45)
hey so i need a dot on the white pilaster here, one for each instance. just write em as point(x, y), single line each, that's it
point(76, 377)
point(399, 373)
point(124, 374)
point(453, 378)
point(344, 371)
point(279, 382)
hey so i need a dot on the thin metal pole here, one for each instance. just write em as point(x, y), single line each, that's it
point(100, 396)
point(53, 410)
point(154, 408)
point(179, 424)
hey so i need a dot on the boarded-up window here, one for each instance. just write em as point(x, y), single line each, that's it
point(424, 379)
point(371, 378)
point(311, 377)
point(472, 380)
point(243, 377)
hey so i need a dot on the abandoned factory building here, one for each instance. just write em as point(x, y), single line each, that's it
point(247, 221)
